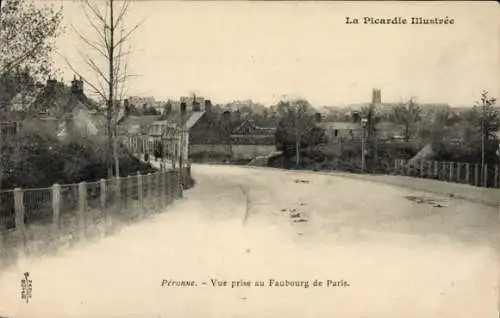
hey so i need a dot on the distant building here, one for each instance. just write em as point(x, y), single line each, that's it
point(249, 141)
point(140, 102)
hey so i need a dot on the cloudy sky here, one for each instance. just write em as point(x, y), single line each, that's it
point(264, 50)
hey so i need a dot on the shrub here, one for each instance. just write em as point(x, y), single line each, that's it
point(36, 160)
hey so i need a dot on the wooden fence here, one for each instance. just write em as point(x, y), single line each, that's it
point(38, 220)
point(458, 172)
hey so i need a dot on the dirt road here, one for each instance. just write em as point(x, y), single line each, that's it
point(380, 251)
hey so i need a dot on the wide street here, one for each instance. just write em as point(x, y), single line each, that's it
point(393, 255)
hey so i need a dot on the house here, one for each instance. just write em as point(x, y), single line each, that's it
point(197, 129)
point(249, 141)
point(210, 135)
point(340, 131)
point(133, 131)
point(63, 111)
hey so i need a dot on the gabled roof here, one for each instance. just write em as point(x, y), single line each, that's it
point(256, 129)
point(60, 100)
point(193, 119)
point(189, 120)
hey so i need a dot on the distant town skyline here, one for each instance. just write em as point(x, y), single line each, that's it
point(264, 50)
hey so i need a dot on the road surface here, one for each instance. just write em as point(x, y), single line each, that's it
point(382, 255)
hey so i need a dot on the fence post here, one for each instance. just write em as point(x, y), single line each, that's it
point(163, 187)
point(442, 175)
point(429, 169)
point(459, 165)
point(56, 207)
point(467, 173)
point(180, 183)
point(421, 169)
point(158, 192)
point(140, 194)
point(396, 166)
point(496, 176)
point(408, 168)
point(401, 167)
point(436, 169)
point(128, 190)
point(168, 188)
point(118, 193)
point(476, 175)
point(151, 192)
point(451, 170)
point(82, 207)
point(20, 226)
point(103, 193)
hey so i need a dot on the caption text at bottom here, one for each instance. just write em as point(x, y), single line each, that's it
point(271, 282)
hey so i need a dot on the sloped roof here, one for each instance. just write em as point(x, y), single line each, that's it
point(189, 120)
point(193, 119)
point(84, 121)
point(59, 100)
point(257, 129)
point(137, 124)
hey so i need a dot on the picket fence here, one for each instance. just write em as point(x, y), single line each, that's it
point(457, 172)
point(44, 219)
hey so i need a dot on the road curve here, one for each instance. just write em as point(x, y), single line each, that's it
point(381, 254)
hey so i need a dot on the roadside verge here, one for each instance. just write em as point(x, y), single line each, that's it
point(485, 196)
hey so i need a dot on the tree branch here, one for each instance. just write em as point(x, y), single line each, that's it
point(97, 91)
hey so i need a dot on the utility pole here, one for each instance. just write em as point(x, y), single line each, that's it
point(483, 141)
point(181, 153)
point(363, 145)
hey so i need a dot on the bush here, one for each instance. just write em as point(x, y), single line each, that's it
point(35, 160)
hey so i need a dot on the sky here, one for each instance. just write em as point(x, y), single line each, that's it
point(262, 51)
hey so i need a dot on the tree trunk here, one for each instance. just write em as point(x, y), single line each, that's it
point(111, 83)
point(109, 163)
point(115, 154)
point(297, 153)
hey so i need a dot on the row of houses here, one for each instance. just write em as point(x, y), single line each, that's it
point(206, 134)
point(65, 111)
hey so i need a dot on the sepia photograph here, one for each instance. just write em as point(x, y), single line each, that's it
point(249, 159)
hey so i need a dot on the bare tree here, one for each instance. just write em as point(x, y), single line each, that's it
point(107, 59)
point(407, 114)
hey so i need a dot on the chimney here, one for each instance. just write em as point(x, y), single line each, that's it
point(168, 108)
point(77, 85)
point(237, 115)
point(183, 108)
point(208, 106)
point(51, 84)
point(226, 116)
point(318, 117)
point(356, 117)
point(226, 123)
point(196, 106)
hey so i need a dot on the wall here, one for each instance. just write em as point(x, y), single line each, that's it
point(251, 151)
point(216, 149)
point(237, 152)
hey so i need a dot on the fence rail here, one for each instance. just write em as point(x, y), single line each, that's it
point(34, 220)
point(458, 172)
